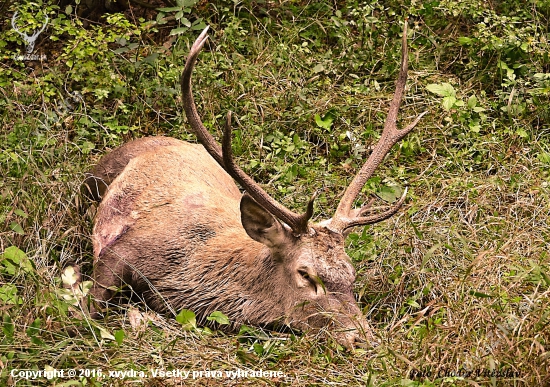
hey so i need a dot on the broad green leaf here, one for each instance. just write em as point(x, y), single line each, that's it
point(169, 9)
point(180, 30)
point(389, 193)
point(259, 349)
point(544, 157)
point(318, 68)
point(442, 89)
point(218, 317)
point(448, 102)
point(522, 133)
point(198, 25)
point(188, 3)
point(413, 303)
point(13, 258)
point(16, 227)
point(21, 213)
point(325, 122)
point(187, 319)
point(464, 40)
point(8, 295)
point(472, 102)
point(34, 328)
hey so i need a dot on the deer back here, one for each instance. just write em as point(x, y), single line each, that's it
point(166, 184)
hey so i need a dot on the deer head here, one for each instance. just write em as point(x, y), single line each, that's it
point(328, 269)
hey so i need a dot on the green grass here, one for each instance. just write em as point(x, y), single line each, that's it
point(458, 281)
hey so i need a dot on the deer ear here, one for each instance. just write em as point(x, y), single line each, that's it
point(259, 224)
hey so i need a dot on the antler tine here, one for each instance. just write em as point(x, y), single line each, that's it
point(390, 136)
point(364, 220)
point(189, 106)
point(298, 223)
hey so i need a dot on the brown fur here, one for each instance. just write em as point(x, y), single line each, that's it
point(174, 226)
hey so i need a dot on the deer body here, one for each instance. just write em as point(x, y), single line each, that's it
point(177, 238)
point(173, 225)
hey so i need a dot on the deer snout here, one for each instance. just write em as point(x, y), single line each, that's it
point(357, 334)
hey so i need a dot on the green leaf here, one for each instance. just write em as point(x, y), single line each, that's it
point(16, 227)
point(15, 255)
point(472, 102)
point(8, 294)
point(259, 349)
point(34, 328)
point(218, 317)
point(185, 22)
point(87, 147)
point(448, 102)
point(442, 89)
point(413, 303)
point(187, 319)
point(389, 193)
point(179, 30)
point(119, 336)
point(325, 122)
point(464, 40)
point(21, 213)
point(198, 25)
point(13, 258)
point(544, 157)
point(522, 133)
point(318, 68)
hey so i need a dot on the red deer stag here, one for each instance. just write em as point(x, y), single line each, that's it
point(173, 225)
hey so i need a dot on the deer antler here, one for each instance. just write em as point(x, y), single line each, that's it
point(298, 223)
point(344, 217)
point(204, 136)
